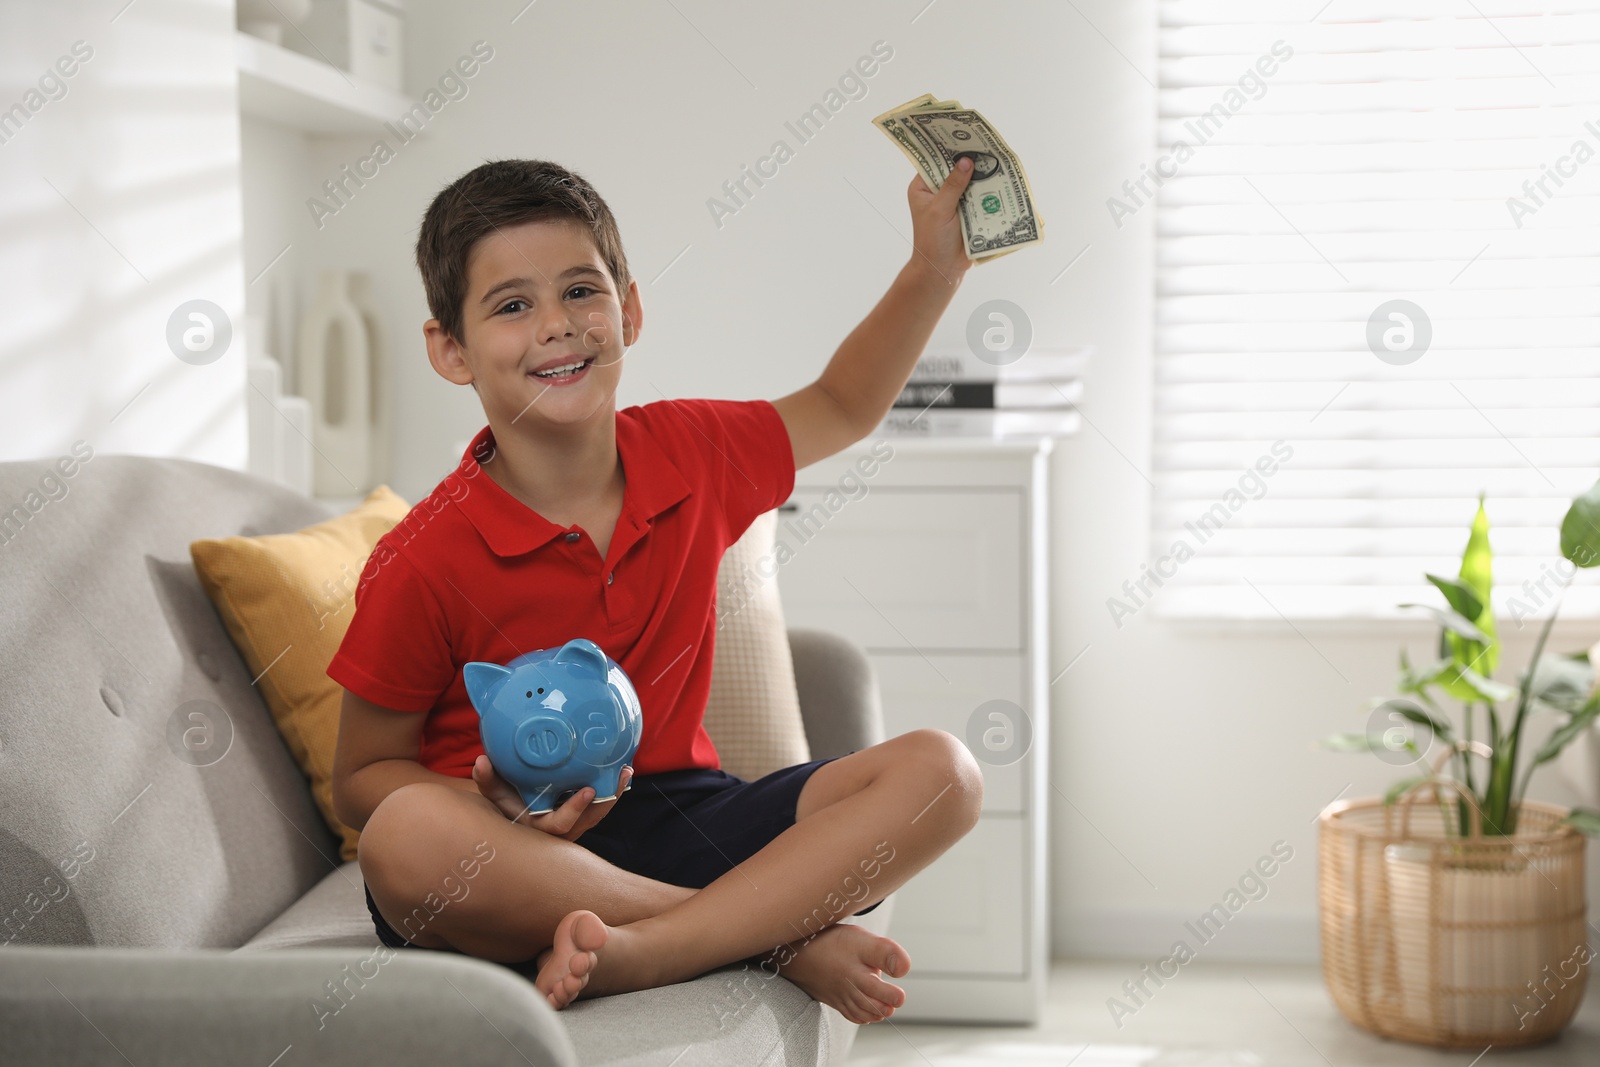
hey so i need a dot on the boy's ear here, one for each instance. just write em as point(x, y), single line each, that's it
point(445, 354)
point(632, 315)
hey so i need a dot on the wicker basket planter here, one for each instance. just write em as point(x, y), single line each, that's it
point(1449, 941)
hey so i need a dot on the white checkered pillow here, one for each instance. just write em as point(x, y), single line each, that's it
point(753, 711)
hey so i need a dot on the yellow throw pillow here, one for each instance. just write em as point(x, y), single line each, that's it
point(286, 600)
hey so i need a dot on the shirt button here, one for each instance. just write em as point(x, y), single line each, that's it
point(610, 576)
point(573, 536)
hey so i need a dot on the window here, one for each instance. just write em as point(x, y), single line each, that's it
point(1376, 298)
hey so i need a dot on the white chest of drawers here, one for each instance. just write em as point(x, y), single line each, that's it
point(931, 554)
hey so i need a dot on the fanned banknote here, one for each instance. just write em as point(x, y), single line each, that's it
point(997, 209)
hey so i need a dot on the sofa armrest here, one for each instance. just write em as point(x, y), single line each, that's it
point(205, 1006)
point(839, 700)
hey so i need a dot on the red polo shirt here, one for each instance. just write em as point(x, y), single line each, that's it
point(473, 574)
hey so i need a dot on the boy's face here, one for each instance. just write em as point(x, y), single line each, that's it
point(538, 294)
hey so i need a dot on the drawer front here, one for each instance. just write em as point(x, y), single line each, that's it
point(964, 912)
point(905, 570)
point(942, 692)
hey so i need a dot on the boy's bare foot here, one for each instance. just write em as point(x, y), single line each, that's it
point(840, 966)
point(565, 967)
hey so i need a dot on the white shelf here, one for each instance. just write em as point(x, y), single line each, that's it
point(954, 444)
point(305, 94)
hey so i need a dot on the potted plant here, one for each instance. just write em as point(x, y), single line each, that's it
point(1460, 922)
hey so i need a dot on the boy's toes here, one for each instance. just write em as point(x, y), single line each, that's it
point(868, 1010)
point(892, 996)
point(571, 959)
point(588, 932)
point(888, 957)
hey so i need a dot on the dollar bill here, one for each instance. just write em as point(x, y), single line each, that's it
point(997, 211)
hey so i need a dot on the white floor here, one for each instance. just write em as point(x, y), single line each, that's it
point(1216, 1015)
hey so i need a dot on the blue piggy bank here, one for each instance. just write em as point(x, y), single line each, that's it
point(556, 720)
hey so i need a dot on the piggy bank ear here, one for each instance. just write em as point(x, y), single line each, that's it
point(584, 653)
point(482, 681)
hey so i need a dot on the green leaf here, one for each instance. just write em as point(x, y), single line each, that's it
point(1440, 728)
point(1467, 636)
point(1476, 568)
point(1394, 792)
point(1564, 734)
point(1454, 622)
point(1416, 679)
point(1459, 594)
point(1563, 682)
point(1470, 685)
point(1584, 820)
point(1348, 742)
point(1580, 529)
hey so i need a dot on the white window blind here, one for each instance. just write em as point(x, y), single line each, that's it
point(1378, 161)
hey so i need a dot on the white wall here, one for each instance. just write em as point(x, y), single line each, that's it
point(120, 194)
point(1181, 754)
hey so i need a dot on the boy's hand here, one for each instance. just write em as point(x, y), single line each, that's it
point(936, 230)
point(570, 821)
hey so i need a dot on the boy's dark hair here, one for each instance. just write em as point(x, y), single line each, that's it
point(505, 192)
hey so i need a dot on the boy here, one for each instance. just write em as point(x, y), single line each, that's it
point(610, 525)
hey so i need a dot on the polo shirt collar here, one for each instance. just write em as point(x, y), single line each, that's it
point(511, 528)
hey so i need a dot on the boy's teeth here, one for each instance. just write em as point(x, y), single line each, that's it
point(560, 372)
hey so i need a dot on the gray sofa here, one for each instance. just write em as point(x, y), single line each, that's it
point(156, 912)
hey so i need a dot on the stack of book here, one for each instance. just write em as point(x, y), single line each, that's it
point(962, 396)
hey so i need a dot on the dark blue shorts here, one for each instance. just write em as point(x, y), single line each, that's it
point(685, 828)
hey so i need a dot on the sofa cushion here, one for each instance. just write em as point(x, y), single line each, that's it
point(112, 664)
point(734, 1014)
point(730, 1015)
point(287, 600)
point(332, 915)
point(753, 710)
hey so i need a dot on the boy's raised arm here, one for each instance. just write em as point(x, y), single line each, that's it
point(860, 384)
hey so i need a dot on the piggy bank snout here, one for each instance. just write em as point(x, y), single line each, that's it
point(544, 740)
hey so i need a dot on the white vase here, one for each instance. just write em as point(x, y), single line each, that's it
point(381, 374)
point(335, 375)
